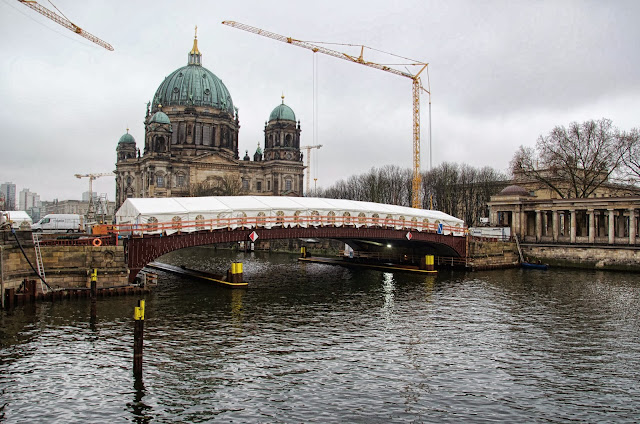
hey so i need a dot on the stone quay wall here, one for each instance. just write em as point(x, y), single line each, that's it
point(615, 258)
point(487, 254)
point(65, 266)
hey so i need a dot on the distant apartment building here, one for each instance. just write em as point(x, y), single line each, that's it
point(76, 207)
point(28, 200)
point(8, 191)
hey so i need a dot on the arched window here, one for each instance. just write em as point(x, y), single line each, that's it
point(287, 140)
point(296, 217)
point(331, 218)
point(425, 223)
point(315, 217)
point(261, 218)
point(401, 220)
point(199, 222)
point(176, 223)
point(280, 218)
point(152, 223)
point(376, 219)
point(347, 218)
point(414, 222)
point(388, 221)
point(362, 218)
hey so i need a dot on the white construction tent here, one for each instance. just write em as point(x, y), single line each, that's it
point(216, 212)
point(19, 219)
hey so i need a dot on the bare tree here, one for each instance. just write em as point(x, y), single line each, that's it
point(225, 185)
point(630, 171)
point(573, 161)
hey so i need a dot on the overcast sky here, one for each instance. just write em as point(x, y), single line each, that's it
point(502, 73)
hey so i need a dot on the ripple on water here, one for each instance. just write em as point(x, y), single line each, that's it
point(313, 343)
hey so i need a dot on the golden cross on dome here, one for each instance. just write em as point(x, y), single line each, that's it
point(282, 98)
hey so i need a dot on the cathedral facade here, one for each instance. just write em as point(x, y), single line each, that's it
point(191, 144)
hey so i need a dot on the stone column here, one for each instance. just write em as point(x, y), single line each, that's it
point(572, 238)
point(555, 228)
point(632, 226)
point(592, 225)
point(538, 225)
point(218, 130)
point(612, 227)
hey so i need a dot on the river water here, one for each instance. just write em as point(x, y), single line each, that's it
point(318, 343)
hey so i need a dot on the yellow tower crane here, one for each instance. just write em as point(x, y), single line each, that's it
point(308, 149)
point(62, 20)
point(91, 210)
point(417, 88)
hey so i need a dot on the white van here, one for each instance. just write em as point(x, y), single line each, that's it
point(60, 223)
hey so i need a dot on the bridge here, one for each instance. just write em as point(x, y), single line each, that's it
point(152, 227)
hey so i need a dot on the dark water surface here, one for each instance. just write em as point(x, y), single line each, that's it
point(316, 343)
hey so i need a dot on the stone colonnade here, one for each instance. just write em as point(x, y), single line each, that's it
point(592, 220)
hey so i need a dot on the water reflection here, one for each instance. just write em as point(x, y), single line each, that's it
point(310, 342)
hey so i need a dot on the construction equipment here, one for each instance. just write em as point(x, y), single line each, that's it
point(65, 22)
point(308, 149)
point(91, 210)
point(417, 87)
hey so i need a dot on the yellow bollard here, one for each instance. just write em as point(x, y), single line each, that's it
point(429, 260)
point(138, 336)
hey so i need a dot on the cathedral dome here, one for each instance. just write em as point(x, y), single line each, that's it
point(282, 112)
point(160, 118)
point(194, 85)
point(127, 138)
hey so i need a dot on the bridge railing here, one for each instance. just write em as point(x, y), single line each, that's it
point(177, 225)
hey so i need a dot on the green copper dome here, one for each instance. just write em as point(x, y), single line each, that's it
point(194, 85)
point(160, 117)
point(127, 138)
point(282, 113)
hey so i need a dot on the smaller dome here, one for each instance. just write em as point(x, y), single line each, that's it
point(282, 112)
point(160, 117)
point(514, 190)
point(127, 138)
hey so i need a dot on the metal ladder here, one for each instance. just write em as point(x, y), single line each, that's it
point(39, 264)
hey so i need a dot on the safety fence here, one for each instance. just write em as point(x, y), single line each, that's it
point(152, 226)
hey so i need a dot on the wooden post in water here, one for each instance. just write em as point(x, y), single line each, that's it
point(10, 298)
point(94, 295)
point(303, 252)
point(138, 335)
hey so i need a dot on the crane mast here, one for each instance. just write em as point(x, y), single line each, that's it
point(91, 209)
point(65, 23)
point(308, 149)
point(416, 89)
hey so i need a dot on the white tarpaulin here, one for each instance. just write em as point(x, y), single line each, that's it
point(249, 211)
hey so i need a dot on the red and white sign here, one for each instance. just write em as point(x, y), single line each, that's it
point(253, 236)
point(409, 236)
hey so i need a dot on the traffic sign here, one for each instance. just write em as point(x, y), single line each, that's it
point(253, 236)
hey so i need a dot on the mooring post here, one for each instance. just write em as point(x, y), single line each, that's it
point(94, 295)
point(138, 335)
point(303, 252)
point(10, 296)
point(429, 262)
point(236, 273)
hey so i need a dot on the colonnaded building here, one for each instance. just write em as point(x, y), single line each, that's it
point(191, 144)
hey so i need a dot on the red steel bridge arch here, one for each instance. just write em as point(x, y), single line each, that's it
point(141, 250)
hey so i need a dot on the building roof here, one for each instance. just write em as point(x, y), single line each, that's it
point(127, 138)
point(514, 190)
point(194, 85)
point(160, 117)
point(282, 112)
